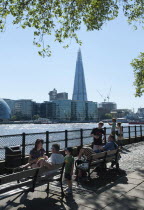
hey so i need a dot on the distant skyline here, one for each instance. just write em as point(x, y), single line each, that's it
point(106, 60)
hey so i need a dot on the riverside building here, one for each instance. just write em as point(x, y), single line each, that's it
point(24, 107)
point(5, 112)
point(53, 95)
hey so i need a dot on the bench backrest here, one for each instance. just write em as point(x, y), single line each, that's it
point(107, 155)
point(112, 152)
point(18, 176)
point(100, 155)
point(46, 171)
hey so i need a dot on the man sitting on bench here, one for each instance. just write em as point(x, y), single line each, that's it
point(87, 151)
point(55, 159)
point(110, 145)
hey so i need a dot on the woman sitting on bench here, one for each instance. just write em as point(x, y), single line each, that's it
point(37, 155)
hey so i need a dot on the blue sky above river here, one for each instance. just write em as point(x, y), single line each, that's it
point(106, 58)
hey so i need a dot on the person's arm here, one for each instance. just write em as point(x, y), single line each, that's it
point(95, 136)
point(121, 130)
point(72, 169)
point(31, 161)
point(80, 153)
point(105, 147)
point(101, 148)
point(92, 133)
point(45, 157)
point(104, 135)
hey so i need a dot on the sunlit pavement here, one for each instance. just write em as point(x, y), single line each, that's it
point(113, 190)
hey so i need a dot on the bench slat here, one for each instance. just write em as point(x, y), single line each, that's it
point(17, 176)
point(98, 155)
point(112, 152)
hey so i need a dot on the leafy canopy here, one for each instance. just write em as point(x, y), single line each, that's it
point(63, 18)
point(138, 65)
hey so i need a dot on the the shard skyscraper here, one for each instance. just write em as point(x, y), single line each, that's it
point(79, 91)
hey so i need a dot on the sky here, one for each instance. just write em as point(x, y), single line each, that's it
point(106, 58)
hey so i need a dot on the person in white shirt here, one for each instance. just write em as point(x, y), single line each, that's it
point(55, 159)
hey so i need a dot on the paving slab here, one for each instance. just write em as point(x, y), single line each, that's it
point(136, 193)
point(124, 193)
point(93, 200)
point(128, 180)
point(140, 186)
point(137, 174)
point(119, 189)
point(126, 203)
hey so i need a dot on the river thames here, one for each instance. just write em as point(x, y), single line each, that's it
point(9, 129)
point(34, 131)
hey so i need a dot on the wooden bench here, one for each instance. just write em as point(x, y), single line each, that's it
point(26, 181)
point(98, 160)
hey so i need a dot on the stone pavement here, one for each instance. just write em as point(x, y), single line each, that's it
point(132, 157)
point(114, 191)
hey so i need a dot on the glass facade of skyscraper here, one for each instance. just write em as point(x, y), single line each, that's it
point(5, 112)
point(62, 109)
point(79, 91)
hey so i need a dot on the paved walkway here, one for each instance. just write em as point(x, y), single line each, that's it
point(113, 191)
point(116, 191)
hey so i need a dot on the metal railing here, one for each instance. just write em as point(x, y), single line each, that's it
point(65, 138)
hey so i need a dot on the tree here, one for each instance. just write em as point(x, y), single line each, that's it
point(63, 18)
point(138, 65)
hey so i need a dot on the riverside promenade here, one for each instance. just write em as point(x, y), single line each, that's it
point(115, 190)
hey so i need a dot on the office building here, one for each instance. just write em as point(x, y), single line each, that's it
point(79, 90)
point(53, 95)
point(91, 110)
point(62, 110)
point(24, 107)
point(5, 112)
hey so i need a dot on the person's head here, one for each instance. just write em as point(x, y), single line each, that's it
point(111, 137)
point(119, 124)
point(39, 144)
point(113, 119)
point(68, 151)
point(55, 148)
point(100, 124)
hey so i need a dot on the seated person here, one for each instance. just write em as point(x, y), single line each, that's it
point(86, 152)
point(37, 154)
point(56, 159)
point(110, 145)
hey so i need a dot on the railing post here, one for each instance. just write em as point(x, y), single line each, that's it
point(23, 148)
point(66, 138)
point(135, 132)
point(141, 132)
point(81, 136)
point(129, 133)
point(105, 130)
point(47, 142)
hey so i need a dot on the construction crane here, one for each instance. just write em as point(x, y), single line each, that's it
point(108, 96)
point(102, 96)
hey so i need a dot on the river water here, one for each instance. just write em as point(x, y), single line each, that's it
point(37, 128)
point(12, 129)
